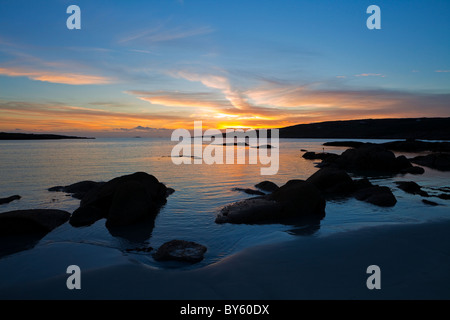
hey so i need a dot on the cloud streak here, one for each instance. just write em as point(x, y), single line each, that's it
point(370, 75)
point(55, 77)
point(160, 34)
point(182, 99)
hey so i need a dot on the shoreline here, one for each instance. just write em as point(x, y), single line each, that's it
point(413, 259)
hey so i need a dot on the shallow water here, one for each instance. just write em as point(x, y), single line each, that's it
point(29, 168)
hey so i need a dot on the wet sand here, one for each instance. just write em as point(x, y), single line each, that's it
point(414, 260)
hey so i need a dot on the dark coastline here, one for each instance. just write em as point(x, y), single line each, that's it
point(34, 136)
point(412, 128)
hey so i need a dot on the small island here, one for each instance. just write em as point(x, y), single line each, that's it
point(35, 136)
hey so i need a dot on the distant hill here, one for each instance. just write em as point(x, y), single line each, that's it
point(34, 136)
point(417, 128)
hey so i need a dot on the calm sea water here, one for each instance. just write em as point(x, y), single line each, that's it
point(29, 168)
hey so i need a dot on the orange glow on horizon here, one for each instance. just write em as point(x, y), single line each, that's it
point(103, 124)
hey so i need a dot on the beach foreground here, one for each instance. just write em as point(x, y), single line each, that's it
point(414, 260)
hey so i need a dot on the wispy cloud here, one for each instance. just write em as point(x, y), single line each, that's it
point(220, 82)
point(161, 33)
point(370, 75)
point(442, 71)
point(55, 77)
point(182, 99)
point(23, 64)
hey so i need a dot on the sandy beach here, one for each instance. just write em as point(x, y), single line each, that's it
point(413, 259)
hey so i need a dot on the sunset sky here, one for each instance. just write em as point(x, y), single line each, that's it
point(137, 67)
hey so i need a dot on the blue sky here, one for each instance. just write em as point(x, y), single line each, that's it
point(164, 64)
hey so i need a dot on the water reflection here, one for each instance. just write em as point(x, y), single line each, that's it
point(133, 235)
point(306, 229)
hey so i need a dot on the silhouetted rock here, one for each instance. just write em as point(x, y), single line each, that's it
point(268, 186)
point(362, 184)
point(319, 156)
point(31, 221)
point(371, 159)
point(130, 203)
point(299, 198)
point(9, 199)
point(250, 211)
point(249, 191)
point(332, 181)
point(122, 201)
point(402, 163)
point(380, 196)
point(411, 187)
point(87, 215)
point(408, 145)
point(22, 229)
point(180, 250)
point(413, 170)
point(169, 191)
point(439, 161)
point(412, 145)
point(79, 189)
point(444, 196)
point(295, 199)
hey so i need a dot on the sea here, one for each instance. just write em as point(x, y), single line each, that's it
point(29, 168)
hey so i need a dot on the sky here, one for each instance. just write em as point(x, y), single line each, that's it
point(144, 67)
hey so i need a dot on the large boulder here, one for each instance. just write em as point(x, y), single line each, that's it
point(250, 211)
point(336, 182)
point(332, 181)
point(31, 221)
point(299, 198)
point(130, 203)
point(267, 186)
point(377, 195)
point(411, 187)
point(439, 161)
point(372, 159)
point(180, 250)
point(296, 199)
point(122, 201)
point(22, 229)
